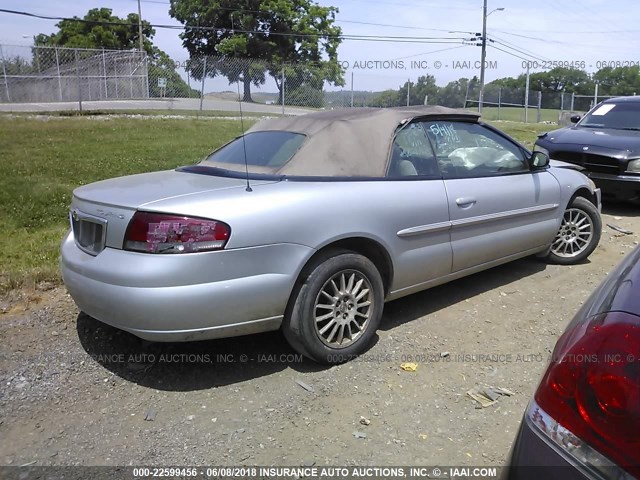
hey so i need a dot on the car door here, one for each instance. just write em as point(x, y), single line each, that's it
point(498, 206)
point(420, 221)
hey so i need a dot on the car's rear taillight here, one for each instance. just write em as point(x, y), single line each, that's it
point(592, 386)
point(161, 233)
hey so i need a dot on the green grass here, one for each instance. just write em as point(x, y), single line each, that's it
point(526, 133)
point(43, 159)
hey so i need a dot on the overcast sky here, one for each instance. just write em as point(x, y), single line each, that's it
point(592, 31)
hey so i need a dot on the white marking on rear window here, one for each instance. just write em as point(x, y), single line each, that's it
point(448, 131)
point(604, 109)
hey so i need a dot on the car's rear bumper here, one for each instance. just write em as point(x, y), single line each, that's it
point(184, 297)
point(621, 187)
point(533, 458)
point(545, 449)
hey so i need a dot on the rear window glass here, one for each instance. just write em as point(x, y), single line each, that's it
point(614, 115)
point(263, 149)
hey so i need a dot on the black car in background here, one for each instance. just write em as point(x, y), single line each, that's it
point(584, 419)
point(606, 142)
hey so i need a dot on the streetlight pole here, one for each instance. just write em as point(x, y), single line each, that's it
point(140, 26)
point(483, 56)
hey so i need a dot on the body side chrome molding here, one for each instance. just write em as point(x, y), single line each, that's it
point(422, 229)
point(465, 222)
point(521, 212)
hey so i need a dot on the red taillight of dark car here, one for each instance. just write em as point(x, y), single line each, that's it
point(162, 233)
point(592, 386)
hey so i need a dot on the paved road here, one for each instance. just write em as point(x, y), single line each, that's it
point(153, 104)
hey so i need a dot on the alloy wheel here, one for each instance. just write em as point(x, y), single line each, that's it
point(575, 234)
point(342, 308)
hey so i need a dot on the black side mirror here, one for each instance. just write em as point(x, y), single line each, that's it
point(539, 160)
point(575, 118)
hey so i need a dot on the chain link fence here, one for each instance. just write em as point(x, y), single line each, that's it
point(130, 79)
point(520, 105)
point(254, 81)
point(52, 74)
point(56, 74)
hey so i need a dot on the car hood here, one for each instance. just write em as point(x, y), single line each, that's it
point(145, 189)
point(623, 140)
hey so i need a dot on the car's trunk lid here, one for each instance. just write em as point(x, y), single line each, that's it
point(135, 191)
point(101, 211)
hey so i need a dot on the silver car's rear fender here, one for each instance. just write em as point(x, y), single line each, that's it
point(184, 297)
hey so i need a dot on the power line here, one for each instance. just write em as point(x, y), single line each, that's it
point(355, 22)
point(415, 5)
point(535, 57)
point(510, 53)
point(601, 16)
point(366, 1)
point(392, 26)
point(525, 50)
point(427, 53)
point(571, 32)
point(582, 18)
point(507, 32)
point(557, 42)
point(371, 38)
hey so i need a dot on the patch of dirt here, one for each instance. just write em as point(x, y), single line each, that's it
point(77, 392)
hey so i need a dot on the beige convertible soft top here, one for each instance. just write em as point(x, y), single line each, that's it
point(348, 142)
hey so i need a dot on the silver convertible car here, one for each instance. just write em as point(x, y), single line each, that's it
point(310, 224)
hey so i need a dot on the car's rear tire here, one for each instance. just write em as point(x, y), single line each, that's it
point(579, 233)
point(335, 310)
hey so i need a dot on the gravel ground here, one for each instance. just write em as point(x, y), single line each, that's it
point(77, 392)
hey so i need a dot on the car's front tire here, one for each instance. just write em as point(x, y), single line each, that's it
point(579, 233)
point(335, 311)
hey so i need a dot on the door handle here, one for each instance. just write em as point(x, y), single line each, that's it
point(465, 202)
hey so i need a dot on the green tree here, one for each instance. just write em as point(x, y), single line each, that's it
point(17, 66)
point(453, 94)
point(561, 80)
point(162, 66)
point(550, 83)
point(99, 28)
point(387, 98)
point(425, 89)
point(264, 35)
point(510, 82)
point(305, 96)
point(618, 81)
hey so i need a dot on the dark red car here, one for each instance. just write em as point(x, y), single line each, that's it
point(584, 420)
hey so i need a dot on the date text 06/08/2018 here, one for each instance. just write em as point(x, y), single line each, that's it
point(577, 64)
point(316, 472)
